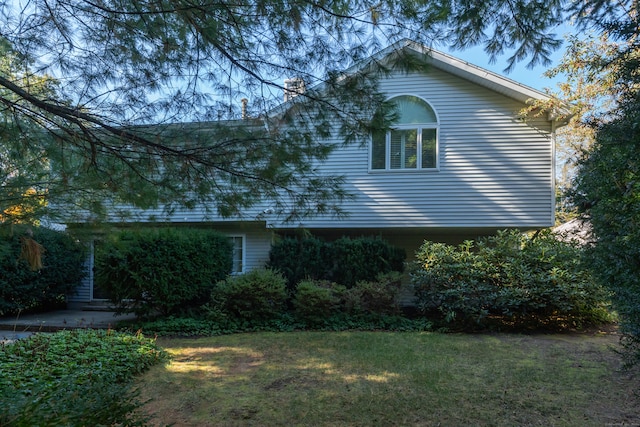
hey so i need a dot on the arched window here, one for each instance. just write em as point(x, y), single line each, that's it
point(412, 143)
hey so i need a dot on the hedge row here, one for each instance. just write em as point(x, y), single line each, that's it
point(345, 260)
point(260, 297)
point(164, 271)
point(43, 285)
point(508, 280)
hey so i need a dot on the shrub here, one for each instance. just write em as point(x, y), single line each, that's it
point(345, 261)
point(518, 280)
point(315, 300)
point(363, 259)
point(167, 271)
point(258, 295)
point(300, 259)
point(379, 296)
point(25, 289)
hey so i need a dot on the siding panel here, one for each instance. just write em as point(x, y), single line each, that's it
point(495, 169)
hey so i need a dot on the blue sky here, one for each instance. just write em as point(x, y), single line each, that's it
point(521, 74)
point(530, 77)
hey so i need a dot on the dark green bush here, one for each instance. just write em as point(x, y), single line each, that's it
point(300, 259)
point(166, 271)
point(316, 300)
point(24, 289)
point(256, 296)
point(344, 261)
point(379, 296)
point(508, 278)
point(363, 259)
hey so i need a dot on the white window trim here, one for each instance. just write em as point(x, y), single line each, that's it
point(243, 260)
point(419, 126)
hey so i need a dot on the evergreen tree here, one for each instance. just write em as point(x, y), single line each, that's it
point(149, 92)
point(24, 170)
point(607, 185)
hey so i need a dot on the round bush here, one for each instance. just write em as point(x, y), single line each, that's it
point(379, 296)
point(315, 300)
point(258, 295)
point(516, 280)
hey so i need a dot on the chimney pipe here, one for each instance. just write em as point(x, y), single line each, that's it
point(293, 87)
point(244, 108)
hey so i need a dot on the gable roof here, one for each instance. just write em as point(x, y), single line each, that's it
point(454, 66)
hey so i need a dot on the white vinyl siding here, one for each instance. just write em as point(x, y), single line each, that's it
point(250, 250)
point(84, 292)
point(495, 170)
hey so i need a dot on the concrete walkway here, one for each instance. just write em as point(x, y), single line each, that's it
point(12, 328)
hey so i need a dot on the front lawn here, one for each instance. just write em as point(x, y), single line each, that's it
point(384, 378)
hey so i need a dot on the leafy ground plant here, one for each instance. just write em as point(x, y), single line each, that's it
point(382, 378)
point(74, 378)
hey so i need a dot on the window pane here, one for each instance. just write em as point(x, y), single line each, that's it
point(414, 110)
point(237, 254)
point(411, 149)
point(378, 149)
point(429, 148)
point(404, 148)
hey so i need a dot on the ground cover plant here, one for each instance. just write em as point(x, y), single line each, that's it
point(74, 378)
point(383, 378)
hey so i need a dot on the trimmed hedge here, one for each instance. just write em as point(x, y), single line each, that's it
point(25, 289)
point(167, 271)
point(345, 261)
point(508, 278)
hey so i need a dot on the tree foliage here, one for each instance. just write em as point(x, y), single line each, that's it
point(587, 95)
point(23, 163)
point(123, 66)
point(606, 186)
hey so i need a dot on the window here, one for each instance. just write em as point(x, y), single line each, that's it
point(412, 143)
point(238, 254)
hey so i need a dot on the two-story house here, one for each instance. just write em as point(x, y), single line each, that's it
point(460, 162)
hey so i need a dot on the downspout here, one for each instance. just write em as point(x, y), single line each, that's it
point(553, 172)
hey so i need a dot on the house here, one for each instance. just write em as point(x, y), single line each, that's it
point(460, 163)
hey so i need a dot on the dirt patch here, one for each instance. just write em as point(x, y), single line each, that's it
point(597, 346)
point(237, 384)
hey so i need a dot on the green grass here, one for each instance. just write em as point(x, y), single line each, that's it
point(381, 378)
